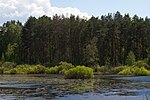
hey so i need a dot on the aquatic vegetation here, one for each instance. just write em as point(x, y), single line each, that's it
point(8, 65)
point(80, 86)
point(70, 71)
point(52, 70)
point(142, 71)
point(117, 69)
point(79, 72)
point(101, 70)
point(39, 69)
point(135, 71)
point(141, 63)
point(26, 69)
point(126, 71)
point(1, 70)
point(60, 69)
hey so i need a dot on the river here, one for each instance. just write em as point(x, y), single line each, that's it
point(55, 87)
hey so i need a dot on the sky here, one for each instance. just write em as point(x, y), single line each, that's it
point(22, 9)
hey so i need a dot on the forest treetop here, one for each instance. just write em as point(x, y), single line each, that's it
point(98, 41)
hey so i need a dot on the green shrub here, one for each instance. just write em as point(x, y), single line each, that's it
point(97, 69)
point(127, 71)
point(1, 70)
point(60, 69)
point(102, 69)
point(141, 63)
point(30, 70)
point(11, 68)
point(26, 69)
point(23, 69)
point(8, 65)
point(98, 73)
point(13, 71)
point(116, 70)
point(130, 58)
point(1, 62)
point(39, 69)
point(19, 69)
point(135, 71)
point(53, 70)
point(79, 72)
point(65, 65)
point(7, 72)
point(63, 71)
point(142, 71)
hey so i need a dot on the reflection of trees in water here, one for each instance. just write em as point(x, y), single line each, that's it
point(146, 97)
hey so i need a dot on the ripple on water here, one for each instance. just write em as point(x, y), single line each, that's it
point(17, 86)
point(97, 96)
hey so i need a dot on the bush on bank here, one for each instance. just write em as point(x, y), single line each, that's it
point(70, 71)
point(11, 68)
point(26, 69)
point(79, 72)
point(60, 69)
point(137, 71)
point(99, 70)
point(116, 70)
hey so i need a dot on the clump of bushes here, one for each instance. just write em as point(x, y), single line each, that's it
point(4, 66)
point(79, 72)
point(1, 70)
point(60, 69)
point(102, 70)
point(39, 69)
point(141, 63)
point(53, 70)
point(126, 71)
point(8, 65)
point(26, 69)
point(138, 71)
point(70, 71)
point(142, 71)
point(12, 68)
point(116, 70)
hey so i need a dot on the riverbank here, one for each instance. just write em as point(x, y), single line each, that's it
point(75, 72)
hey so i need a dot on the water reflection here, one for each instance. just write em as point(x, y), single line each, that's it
point(42, 87)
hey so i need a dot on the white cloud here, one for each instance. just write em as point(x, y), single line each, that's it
point(68, 11)
point(22, 9)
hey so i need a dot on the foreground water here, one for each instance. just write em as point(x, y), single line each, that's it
point(55, 87)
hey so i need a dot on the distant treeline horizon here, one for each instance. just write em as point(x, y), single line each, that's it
point(105, 40)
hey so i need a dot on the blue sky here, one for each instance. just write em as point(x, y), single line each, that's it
point(22, 9)
point(101, 7)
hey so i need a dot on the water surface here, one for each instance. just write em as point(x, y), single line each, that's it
point(55, 87)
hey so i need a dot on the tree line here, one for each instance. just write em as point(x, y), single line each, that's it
point(105, 40)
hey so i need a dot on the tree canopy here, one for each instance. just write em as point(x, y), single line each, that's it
point(98, 40)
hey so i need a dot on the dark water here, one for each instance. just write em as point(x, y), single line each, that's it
point(55, 87)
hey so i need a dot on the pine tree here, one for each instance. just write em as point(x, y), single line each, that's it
point(130, 59)
point(91, 53)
